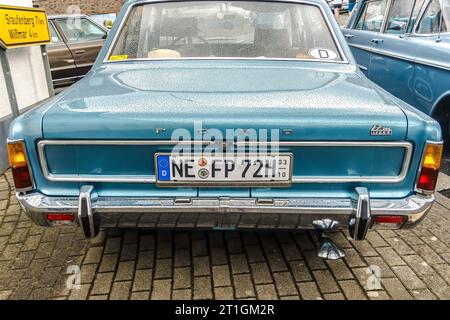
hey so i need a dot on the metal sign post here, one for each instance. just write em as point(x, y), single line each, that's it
point(48, 74)
point(9, 83)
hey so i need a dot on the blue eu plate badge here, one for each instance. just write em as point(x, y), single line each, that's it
point(163, 168)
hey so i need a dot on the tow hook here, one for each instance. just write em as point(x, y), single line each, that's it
point(89, 220)
point(327, 248)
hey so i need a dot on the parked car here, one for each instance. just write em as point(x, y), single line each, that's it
point(404, 46)
point(233, 115)
point(344, 7)
point(105, 19)
point(76, 42)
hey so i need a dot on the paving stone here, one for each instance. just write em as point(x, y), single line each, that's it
point(396, 289)
point(182, 278)
point(276, 262)
point(201, 266)
point(143, 280)
point(408, 277)
point(142, 295)
point(364, 248)
point(419, 265)
point(234, 245)
point(109, 263)
point(300, 271)
point(94, 255)
point(224, 293)
point(243, 286)
point(125, 271)
point(163, 268)
point(334, 296)
point(423, 294)
point(128, 252)
point(400, 246)
point(340, 269)
point(352, 290)
point(161, 289)
point(309, 291)
point(80, 294)
point(218, 256)
point(120, 290)
point(266, 292)
point(261, 273)
point(184, 294)
point(239, 263)
point(285, 284)
point(221, 276)
point(145, 260)
point(202, 288)
point(437, 285)
point(102, 283)
point(377, 262)
point(313, 261)
point(325, 281)
point(391, 257)
point(147, 242)
point(112, 245)
point(254, 253)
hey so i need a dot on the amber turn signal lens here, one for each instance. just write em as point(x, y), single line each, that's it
point(19, 165)
point(431, 165)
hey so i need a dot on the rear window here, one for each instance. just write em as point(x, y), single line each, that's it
point(210, 29)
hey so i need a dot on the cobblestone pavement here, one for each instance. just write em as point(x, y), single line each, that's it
point(37, 263)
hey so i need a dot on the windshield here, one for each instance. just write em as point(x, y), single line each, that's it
point(232, 29)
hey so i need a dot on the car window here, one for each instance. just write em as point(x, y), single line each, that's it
point(80, 29)
point(53, 34)
point(400, 13)
point(436, 14)
point(372, 15)
point(236, 29)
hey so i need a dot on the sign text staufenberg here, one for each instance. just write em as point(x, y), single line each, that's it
point(21, 26)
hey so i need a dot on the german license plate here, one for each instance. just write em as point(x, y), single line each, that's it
point(236, 170)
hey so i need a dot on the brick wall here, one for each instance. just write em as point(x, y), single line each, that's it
point(86, 6)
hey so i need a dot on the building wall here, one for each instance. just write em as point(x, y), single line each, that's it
point(86, 6)
point(29, 81)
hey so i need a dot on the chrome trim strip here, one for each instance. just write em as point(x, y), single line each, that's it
point(414, 206)
point(396, 56)
point(295, 179)
point(127, 14)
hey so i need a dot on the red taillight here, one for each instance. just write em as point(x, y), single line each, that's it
point(60, 217)
point(19, 165)
point(390, 219)
point(388, 222)
point(431, 165)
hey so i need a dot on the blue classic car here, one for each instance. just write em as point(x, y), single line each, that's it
point(404, 46)
point(226, 115)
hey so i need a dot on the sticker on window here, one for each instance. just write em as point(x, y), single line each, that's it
point(119, 57)
point(323, 54)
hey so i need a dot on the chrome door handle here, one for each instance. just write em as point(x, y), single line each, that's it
point(348, 36)
point(80, 51)
point(377, 40)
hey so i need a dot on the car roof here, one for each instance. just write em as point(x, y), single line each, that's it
point(56, 16)
point(143, 1)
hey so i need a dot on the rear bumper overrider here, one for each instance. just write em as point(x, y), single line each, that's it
point(93, 211)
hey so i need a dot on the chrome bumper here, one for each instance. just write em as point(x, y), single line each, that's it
point(224, 212)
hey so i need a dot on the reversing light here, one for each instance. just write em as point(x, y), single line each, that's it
point(430, 167)
point(19, 165)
